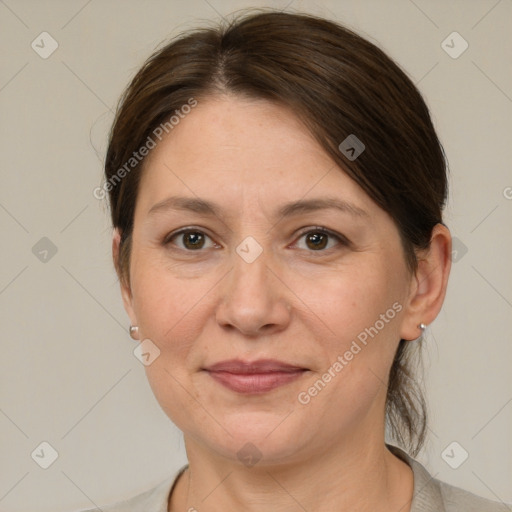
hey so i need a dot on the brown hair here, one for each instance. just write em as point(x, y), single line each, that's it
point(338, 84)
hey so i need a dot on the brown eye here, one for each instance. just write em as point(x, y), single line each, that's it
point(316, 241)
point(189, 240)
point(319, 239)
point(193, 240)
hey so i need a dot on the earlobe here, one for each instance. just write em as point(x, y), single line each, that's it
point(429, 284)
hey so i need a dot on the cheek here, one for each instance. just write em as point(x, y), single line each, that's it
point(167, 308)
point(172, 313)
point(361, 319)
point(358, 323)
point(346, 301)
point(172, 310)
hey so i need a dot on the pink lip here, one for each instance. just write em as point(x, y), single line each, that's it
point(254, 377)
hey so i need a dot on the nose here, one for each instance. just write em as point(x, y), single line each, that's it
point(254, 298)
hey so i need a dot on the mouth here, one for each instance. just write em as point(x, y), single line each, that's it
point(254, 377)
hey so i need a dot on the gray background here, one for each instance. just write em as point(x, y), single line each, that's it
point(68, 374)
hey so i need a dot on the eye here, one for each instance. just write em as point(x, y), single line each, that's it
point(191, 240)
point(318, 239)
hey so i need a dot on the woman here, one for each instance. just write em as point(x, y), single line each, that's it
point(276, 191)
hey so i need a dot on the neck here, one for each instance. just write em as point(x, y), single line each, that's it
point(360, 478)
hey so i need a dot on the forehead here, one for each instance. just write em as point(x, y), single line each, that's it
point(234, 132)
point(244, 151)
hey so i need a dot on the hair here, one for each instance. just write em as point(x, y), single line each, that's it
point(338, 84)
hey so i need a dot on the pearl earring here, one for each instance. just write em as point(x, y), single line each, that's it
point(134, 332)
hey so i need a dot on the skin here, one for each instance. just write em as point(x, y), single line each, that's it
point(294, 303)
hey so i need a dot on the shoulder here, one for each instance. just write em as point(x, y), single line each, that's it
point(432, 495)
point(459, 500)
point(153, 500)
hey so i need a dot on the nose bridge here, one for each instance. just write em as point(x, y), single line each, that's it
point(250, 277)
point(252, 298)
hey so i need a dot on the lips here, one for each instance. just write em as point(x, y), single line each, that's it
point(254, 377)
point(259, 366)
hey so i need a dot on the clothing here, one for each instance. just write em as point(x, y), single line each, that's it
point(430, 495)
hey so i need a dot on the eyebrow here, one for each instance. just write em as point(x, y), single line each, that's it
point(204, 207)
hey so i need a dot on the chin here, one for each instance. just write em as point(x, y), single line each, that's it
point(257, 439)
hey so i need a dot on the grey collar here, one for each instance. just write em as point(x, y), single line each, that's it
point(427, 495)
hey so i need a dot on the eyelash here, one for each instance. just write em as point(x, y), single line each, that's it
point(342, 241)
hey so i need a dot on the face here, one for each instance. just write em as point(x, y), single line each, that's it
point(290, 264)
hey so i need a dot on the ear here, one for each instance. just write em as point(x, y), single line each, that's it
point(429, 283)
point(126, 292)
